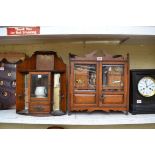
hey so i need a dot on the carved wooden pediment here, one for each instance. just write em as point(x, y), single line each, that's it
point(93, 56)
point(12, 57)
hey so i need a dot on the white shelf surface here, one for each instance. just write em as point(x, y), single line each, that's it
point(80, 118)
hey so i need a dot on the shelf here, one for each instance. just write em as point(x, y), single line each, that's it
point(81, 118)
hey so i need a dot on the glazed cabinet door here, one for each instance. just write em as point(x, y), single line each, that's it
point(39, 92)
point(112, 84)
point(84, 82)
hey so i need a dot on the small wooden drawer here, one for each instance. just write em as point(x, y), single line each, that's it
point(113, 99)
point(39, 103)
point(39, 108)
point(85, 99)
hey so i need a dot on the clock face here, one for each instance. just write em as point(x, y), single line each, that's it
point(146, 86)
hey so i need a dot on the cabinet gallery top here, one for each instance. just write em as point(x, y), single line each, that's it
point(93, 56)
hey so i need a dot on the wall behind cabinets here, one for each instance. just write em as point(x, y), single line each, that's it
point(141, 56)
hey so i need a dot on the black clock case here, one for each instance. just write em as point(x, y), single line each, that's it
point(147, 105)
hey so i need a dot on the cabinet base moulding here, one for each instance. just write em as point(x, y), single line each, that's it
point(100, 109)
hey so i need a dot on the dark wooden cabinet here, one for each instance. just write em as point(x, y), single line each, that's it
point(41, 83)
point(7, 85)
point(8, 63)
point(99, 83)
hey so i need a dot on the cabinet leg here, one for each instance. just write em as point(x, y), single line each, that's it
point(133, 113)
point(69, 113)
point(126, 112)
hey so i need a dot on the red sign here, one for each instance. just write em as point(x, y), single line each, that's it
point(23, 30)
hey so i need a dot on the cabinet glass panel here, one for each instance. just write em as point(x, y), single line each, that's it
point(112, 77)
point(39, 85)
point(85, 77)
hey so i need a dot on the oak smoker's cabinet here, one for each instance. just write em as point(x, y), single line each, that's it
point(41, 84)
point(99, 83)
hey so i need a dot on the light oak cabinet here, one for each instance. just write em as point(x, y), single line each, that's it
point(99, 83)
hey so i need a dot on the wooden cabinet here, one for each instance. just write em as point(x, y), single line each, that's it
point(41, 83)
point(99, 83)
point(8, 63)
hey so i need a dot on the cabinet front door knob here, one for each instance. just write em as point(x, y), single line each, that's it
point(102, 97)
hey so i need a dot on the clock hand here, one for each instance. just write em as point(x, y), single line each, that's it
point(150, 84)
point(146, 83)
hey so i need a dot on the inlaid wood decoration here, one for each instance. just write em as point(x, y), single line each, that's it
point(99, 83)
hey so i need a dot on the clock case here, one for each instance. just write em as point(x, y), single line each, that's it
point(138, 103)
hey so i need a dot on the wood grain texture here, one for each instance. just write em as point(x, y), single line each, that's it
point(110, 97)
point(41, 62)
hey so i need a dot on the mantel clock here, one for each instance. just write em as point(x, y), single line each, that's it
point(142, 91)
